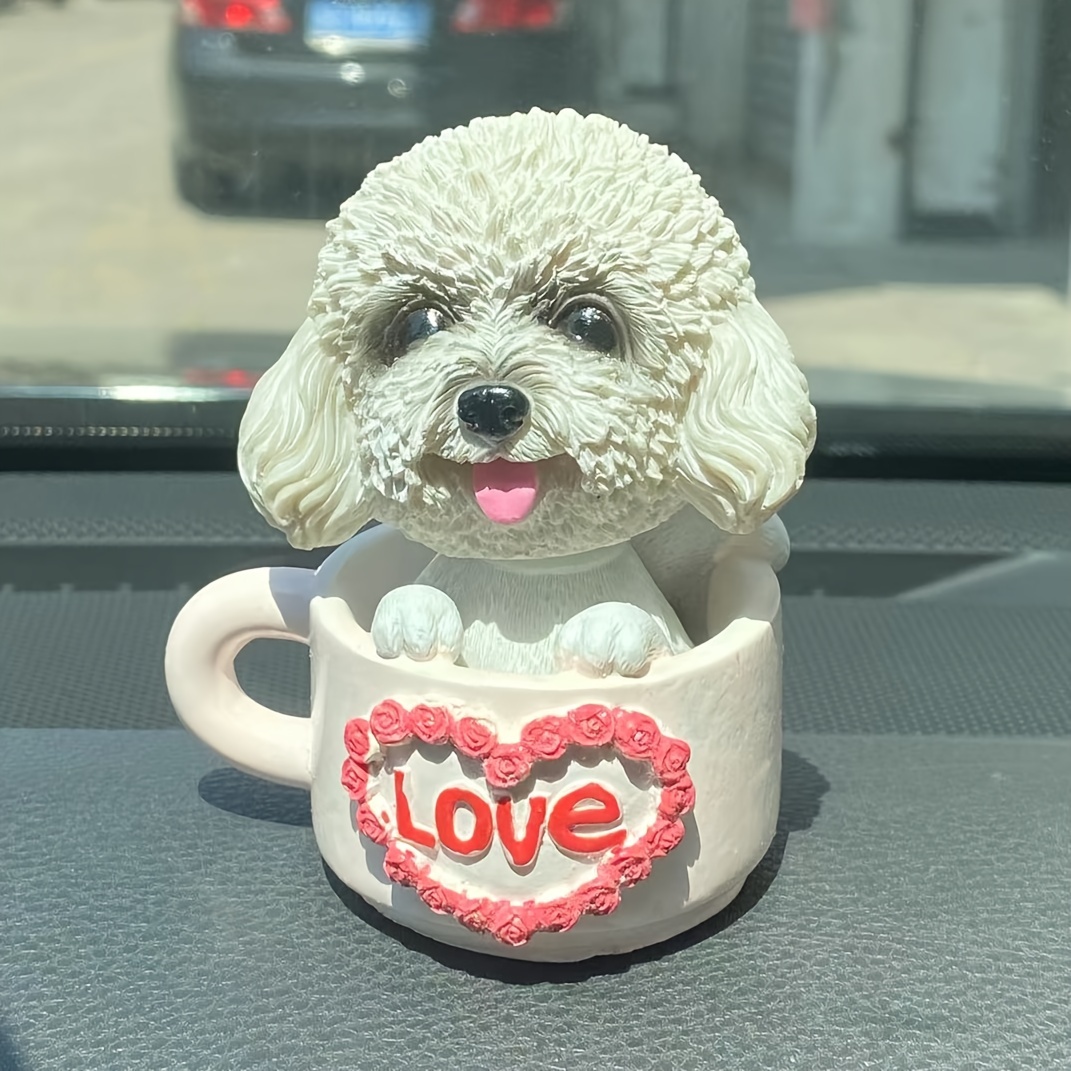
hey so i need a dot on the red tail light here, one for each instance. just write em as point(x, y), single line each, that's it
point(239, 16)
point(496, 16)
point(235, 378)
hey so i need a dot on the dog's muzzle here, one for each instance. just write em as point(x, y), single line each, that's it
point(494, 411)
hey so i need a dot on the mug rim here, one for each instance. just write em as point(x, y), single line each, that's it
point(754, 608)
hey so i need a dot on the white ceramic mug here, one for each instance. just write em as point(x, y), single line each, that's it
point(546, 818)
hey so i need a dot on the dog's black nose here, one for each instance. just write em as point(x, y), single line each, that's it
point(495, 411)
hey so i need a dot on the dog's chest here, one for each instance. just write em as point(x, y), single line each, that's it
point(514, 611)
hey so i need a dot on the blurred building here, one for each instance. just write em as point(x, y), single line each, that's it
point(858, 121)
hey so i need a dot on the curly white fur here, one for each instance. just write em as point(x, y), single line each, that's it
point(500, 222)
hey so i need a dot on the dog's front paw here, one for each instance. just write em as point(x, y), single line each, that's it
point(419, 622)
point(611, 637)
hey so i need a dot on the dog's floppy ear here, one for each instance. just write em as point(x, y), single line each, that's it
point(296, 448)
point(749, 426)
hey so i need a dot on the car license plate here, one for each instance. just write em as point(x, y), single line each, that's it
point(342, 26)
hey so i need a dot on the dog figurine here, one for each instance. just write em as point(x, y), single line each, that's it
point(534, 347)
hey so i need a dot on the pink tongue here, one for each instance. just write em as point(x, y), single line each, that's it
point(505, 490)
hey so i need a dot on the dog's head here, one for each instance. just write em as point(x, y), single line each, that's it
point(529, 337)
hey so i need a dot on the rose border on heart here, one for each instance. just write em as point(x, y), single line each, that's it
point(506, 764)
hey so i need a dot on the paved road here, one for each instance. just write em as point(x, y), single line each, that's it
point(100, 263)
point(104, 272)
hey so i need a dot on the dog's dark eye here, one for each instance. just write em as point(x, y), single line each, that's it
point(590, 326)
point(419, 324)
point(413, 326)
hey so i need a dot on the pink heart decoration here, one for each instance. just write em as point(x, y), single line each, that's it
point(631, 734)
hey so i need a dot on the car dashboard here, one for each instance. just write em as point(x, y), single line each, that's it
point(162, 909)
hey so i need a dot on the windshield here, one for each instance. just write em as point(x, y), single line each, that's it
point(900, 173)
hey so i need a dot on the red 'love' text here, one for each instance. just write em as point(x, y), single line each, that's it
point(564, 822)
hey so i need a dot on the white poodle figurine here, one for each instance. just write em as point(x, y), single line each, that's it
point(531, 341)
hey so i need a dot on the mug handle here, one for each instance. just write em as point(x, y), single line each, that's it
point(204, 641)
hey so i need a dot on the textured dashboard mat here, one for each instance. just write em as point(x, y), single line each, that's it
point(937, 516)
point(95, 660)
point(175, 509)
point(158, 911)
point(878, 666)
point(129, 509)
